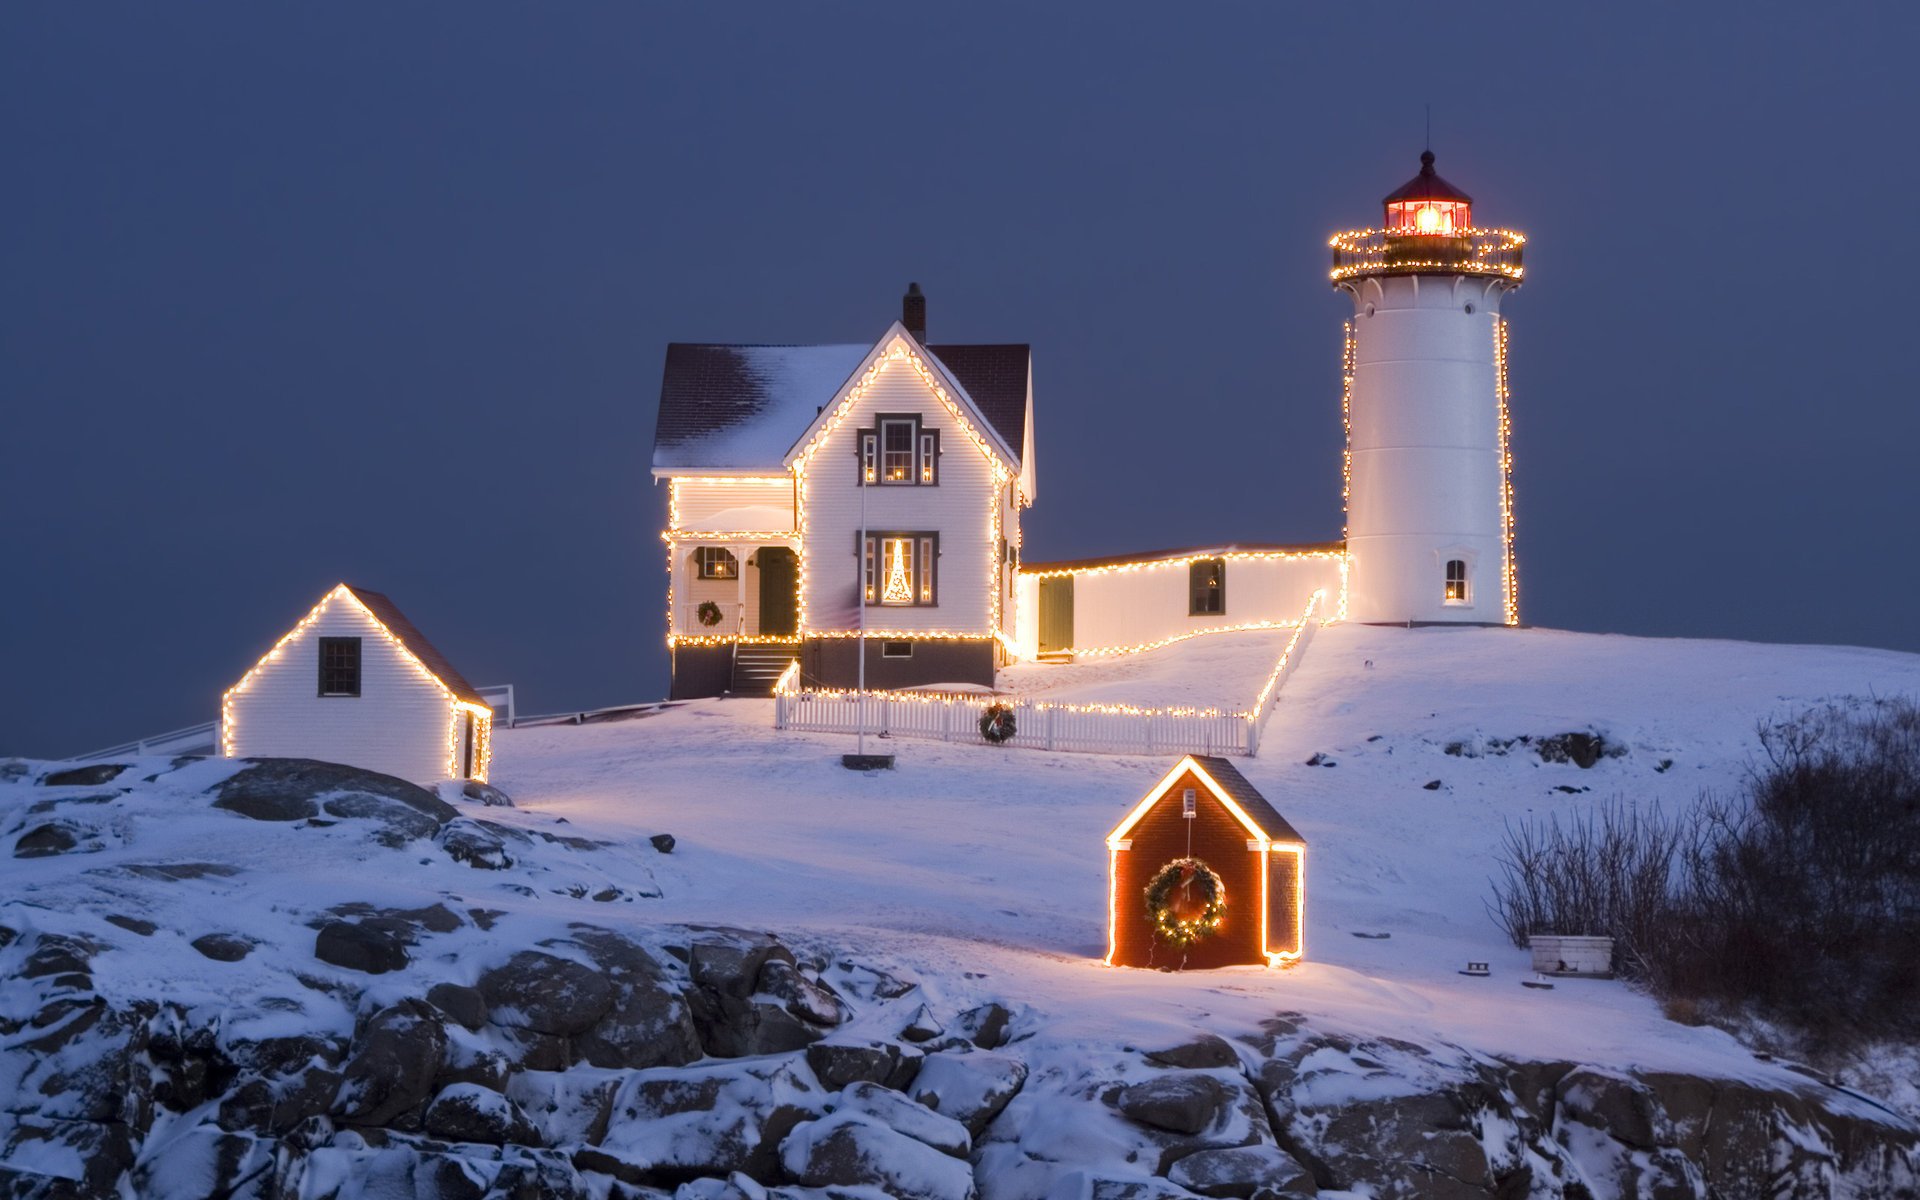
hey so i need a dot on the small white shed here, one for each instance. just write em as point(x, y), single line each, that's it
point(354, 682)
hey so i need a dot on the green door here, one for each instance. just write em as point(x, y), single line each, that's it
point(1056, 614)
point(779, 575)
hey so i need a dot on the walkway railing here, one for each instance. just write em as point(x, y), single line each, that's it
point(1043, 724)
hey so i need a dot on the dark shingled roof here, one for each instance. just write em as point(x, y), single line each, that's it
point(1426, 186)
point(743, 406)
point(388, 613)
point(1249, 798)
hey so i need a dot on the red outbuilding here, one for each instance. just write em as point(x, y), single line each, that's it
point(1204, 873)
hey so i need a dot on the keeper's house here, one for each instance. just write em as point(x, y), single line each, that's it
point(354, 682)
point(772, 454)
point(1205, 809)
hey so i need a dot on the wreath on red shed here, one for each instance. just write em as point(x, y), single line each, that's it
point(1186, 901)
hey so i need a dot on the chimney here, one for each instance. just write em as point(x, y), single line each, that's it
point(913, 313)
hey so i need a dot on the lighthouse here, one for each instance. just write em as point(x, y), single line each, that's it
point(1428, 473)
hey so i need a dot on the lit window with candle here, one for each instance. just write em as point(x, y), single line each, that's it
point(899, 451)
point(897, 569)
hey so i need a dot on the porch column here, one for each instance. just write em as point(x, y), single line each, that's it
point(740, 554)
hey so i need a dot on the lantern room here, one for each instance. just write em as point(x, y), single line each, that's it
point(1428, 206)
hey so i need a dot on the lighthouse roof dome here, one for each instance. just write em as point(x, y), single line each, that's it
point(1427, 185)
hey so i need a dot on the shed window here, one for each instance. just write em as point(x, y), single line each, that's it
point(339, 666)
point(897, 569)
point(1456, 589)
point(898, 452)
point(716, 562)
point(896, 649)
point(1207, 587)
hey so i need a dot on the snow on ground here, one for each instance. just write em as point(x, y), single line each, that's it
point(982, 870)
point(1217, 670)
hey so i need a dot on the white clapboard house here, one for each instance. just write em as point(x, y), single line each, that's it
point(354, 682)
point(769, 452)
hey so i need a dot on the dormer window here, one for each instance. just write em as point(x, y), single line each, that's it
point(898, 452)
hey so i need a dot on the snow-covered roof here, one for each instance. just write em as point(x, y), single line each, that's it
point(742, 407)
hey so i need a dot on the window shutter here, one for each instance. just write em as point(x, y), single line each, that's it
point(869, 454)
point(929, 456)
point(926, 557)
point(867, 556)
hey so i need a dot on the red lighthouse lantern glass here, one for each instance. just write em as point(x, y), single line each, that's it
point(1428, 206)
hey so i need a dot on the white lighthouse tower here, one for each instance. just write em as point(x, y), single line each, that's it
point(1429, 491)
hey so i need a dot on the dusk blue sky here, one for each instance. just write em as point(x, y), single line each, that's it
point(291, 294)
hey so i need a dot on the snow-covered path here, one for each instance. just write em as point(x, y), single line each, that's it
point(983, 868)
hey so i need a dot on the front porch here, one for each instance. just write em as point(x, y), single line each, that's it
point(733, 612)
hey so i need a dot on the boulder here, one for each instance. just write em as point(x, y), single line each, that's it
point(1241, 1171)
point(59, 1159)
point(204, 1161)
point(804, 998)
point(1204, 1052)
point(838, 1064)
point(91, 775)
point(467, 1112)
point(670, 1125)
point(359, 948)
point(545, 993)
point(663, 842)
point(478, 845)
point(848, 1149)
point(485, 794)
point(223, 947)
point(391, 1072)
point(465, 1006)
point(922, 1026)
point(1615, 1104)
point(55, 837)
point(904, 1116)
point(649, 1023)
point(288, 789)
point(570, 1108)
point(1186, 1103)
point(971, 1088)
point(396, 821)
point(131, 924)
point(986, 1025)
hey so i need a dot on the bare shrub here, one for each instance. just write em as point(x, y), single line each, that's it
point(1797, 900)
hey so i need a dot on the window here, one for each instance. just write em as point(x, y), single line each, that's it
point(1456, 590)
point(897, 569)
point(716, 562)
point(897, 451)
point(1207, 587)
point(896, 649)
point(339, 666)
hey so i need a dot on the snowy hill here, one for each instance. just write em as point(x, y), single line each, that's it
point(287, 980)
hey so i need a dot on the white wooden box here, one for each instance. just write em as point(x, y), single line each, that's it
point(1565, 954)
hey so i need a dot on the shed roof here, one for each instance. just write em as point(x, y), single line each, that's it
point(738, 407)
point(1210, 550)
point(1230, 785)
point(388, 613)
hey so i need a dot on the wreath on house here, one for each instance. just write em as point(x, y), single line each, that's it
point(997, 724)
point(1186, 902)
point(709, 613)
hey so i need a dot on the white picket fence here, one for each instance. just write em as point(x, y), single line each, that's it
point(1040, 725)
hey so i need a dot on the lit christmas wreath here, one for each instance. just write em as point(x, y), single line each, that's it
point(709, 613)
point(1186, 902)
point(996, 724)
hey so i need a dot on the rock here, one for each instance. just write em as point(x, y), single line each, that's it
point(663, 842)
point(359, 948)
point(1621, 1107)
point(485, 793)
point(394, 1061)
point(223, 947)
point(923, 1026)
point(91, 775)
point(649, 1023)
point(286, 789)
point(399, 822)
point(837, 1064)
point(545, 993)
point(810, 1001)
point(726, 962)
point(569, 1107)
point(465, 1005)
point(1581, 749)
point(45, 841)
point(970, 1088)
point(734, 1018)
point(986, 1026)
point(177, 872)
point(131, 924)
point(1432, 785)
point(1187, 1103)
point(206, 1161)
point(81, 1159)
point(473, 1058)
point(904, 1116)
point(476, 845)
point(673, 1124)
point(1241, 1171)
point(848, 1150)
point(1205, 1052)
point(467, 1112)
